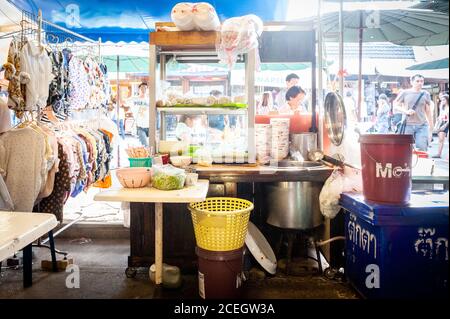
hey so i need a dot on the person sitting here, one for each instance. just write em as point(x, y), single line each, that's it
point(291, 81)
point(294, 98)
point(184, 129)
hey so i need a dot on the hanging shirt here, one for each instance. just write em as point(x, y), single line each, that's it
point(141, 111)
point(54, 204)
point(16, 90)
point(79, 88)
point(35, 61)
point(22, 158)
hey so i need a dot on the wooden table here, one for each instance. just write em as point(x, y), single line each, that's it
point(190, 194)
point(18, 231)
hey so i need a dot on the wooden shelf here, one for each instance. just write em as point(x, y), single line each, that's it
point(184, 40)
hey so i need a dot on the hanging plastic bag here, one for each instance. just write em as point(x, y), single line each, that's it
point(168, 177)
point(339, 182)
point(238, 35)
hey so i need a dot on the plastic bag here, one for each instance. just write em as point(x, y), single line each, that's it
point(205, 17)
point(183, 17)
point(238, 35)
point(200, 16)
point(338, 183)
point(168, 177)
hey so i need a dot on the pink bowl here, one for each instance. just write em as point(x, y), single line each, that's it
point(134, 177)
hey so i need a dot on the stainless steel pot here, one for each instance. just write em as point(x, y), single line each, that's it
point(303, 143)
point(294, 205)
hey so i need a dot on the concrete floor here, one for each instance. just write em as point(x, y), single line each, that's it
point(102, 263)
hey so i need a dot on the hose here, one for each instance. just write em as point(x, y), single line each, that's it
point(322, 243)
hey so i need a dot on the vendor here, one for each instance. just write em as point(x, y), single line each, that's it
point(184, 129)
point(294, 98)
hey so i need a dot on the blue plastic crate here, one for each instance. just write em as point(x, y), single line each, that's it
point(397, 251)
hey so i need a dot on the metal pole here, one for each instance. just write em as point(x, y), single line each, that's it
point(152, 96)
point(39, 27)
point(341, 47)
point(319, 76)
point(99, 49)
point(39, 38)
point(358, 112)
point(250, 67)
point(313, 127)
point(118, 106)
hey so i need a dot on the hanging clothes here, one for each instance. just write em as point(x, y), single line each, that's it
point(36, 63)
point(54, 203)
point(22, 158)
point(79, 89)
point(59, 86)
point(16, 86)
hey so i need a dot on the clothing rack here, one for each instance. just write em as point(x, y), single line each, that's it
point(34, 27)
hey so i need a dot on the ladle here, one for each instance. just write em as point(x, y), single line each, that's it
point(319, 156)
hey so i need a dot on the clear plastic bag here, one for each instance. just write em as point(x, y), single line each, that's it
point(339, 182)
point(167, 177)
point(237, 36)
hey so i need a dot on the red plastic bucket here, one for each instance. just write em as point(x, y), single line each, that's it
point(220, 273)
point(386, 161)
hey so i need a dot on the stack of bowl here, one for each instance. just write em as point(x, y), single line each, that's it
point(263, 138)
point(280, 138)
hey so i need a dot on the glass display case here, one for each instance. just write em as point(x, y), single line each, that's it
point(220, 132)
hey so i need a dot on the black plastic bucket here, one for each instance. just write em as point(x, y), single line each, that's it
point(220, 273)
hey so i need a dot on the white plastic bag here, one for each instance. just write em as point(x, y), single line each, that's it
point(238, 35)
point(200, 16)
point(205, 17)
point(183, 16)
point(338, 183)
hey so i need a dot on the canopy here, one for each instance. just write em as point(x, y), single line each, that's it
point(432, 65)
point(131, 20)
point(133, 64)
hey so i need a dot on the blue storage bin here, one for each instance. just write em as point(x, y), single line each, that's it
point(407, 246)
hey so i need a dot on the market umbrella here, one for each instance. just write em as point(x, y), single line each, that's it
point(403, 27)
point(432, 65)
point(128, 64)
point(436, 5)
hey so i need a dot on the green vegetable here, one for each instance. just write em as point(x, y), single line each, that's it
point(168, 182)
point(226, 105)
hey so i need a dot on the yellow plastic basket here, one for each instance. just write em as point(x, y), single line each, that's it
point(220, 223)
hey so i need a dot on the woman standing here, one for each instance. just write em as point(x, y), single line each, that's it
point(266, 105)
point(443, 123)
point(382, 125)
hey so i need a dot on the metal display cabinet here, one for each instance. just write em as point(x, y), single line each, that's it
point(196, 46)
